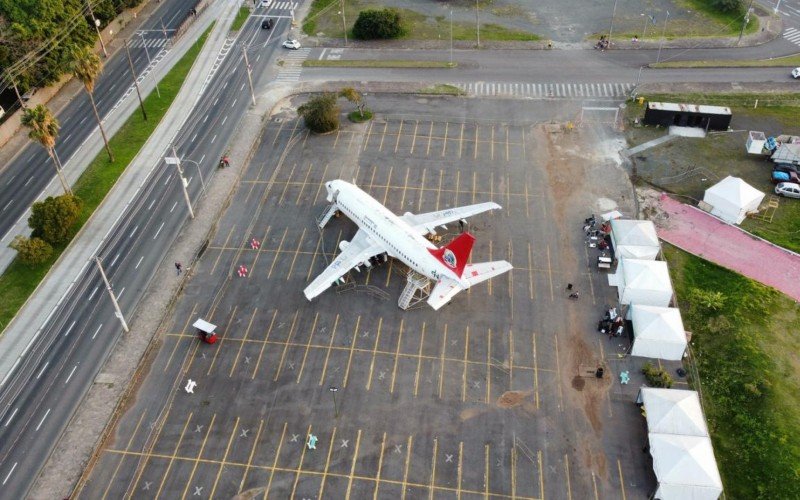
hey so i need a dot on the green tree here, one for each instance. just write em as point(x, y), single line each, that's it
point(378, 24)
point(86, 67)
point(44, 130)
point(53, 219)
point(727, 5)
point(33, 251)
point(355, 97)
point(321, 113)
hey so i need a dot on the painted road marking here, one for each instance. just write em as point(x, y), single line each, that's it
point(10, 472)
point(96, 331)
point(70, 374)
point(43, 418)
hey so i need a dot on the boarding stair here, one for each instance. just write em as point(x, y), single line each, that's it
point(417, 290)
point(329, 212)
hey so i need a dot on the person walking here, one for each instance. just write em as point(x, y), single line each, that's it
point(178, 268)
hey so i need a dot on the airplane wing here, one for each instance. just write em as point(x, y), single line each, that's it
point(446, 289)
point(425, 223)
point(360, 248)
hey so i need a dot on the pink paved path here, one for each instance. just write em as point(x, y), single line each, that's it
point(697, 232)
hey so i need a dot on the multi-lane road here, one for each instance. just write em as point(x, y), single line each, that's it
point(39, 401)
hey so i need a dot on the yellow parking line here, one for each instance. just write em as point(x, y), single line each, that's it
point(399, 135)
point(241, 344)
point(380, 466)
point(353, 465)
point(461, 140)
point(507, 155)
point(308, 346)
point(314, 258)
point(405, 472)
point(405, 188)
point(441, 361)
point(336, 141)
point(439, 189)
point(594, 486)
point(122, 458)
point(430, 136)
point(327, 464)
point(419, 359)
point(475, 154)
point(474, 186)
point(178, 341)
point(464, 373)
point(458, 183)
point(414, 137)
point(385, 125)
point(514, 471)
point(510, 360)
point(508, 195)
point(277, 254)
point(388, 183)
point(527, 203)
point(286, 346)
point(300, 465)
point(535, 371)
point(303, 186)
point(523, 142)
point(460, 468)
point(221, 340)
point(486, 471)
point(174, 455)
point(541, 475)
point(369, 134)
point(489, 367)
point(374, 352)
point(199, 456)
point(558, 375)
point(275, 462)
point(260, 250)
point(224, 457)
point(433, 468)
point(444, 144)
point(621, 479)
point(397, 355)
point(491, 142)
point(260, 354)
point(222, 251)
point(389, 273)
point(286, 186)
point(550, 275)
point(530, 273)
point(319, 188)
point(250, 457)
point(566, 472)
point(328, 355)
point(297, 251)
point(489, 284)
point(421, 191)
point(350, 358)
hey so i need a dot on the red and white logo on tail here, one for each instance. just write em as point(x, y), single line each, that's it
point(456, 253)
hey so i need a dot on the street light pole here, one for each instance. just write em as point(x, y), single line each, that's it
point(611, 28)
point(478, 22)
point(249, 75)
point(199, 171)
point(96, 23)
point(135, 83)
point(333, 391)
point(117, 311)
point(745, 21)
point(663, 34)
point(150, 63)
point(183, 182)
point(451, 37)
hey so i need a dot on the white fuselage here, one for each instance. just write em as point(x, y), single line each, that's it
point(400, 240)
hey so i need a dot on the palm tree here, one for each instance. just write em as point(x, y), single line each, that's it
point(86, 66)
point(44, 130)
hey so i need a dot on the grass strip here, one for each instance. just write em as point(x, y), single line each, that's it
point(744, 346)
point(369, 63)
point(19, 281)
point(789, 62)
point(241, 17)
point(442, 89)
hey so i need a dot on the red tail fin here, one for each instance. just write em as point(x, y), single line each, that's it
point(455, 254)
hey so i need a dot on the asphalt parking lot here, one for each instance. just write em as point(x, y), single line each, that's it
point(488, 397)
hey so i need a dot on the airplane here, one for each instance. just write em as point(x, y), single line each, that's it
point(403, 238)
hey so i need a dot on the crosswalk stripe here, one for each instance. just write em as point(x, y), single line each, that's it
point(792, 35)
point(561, 90)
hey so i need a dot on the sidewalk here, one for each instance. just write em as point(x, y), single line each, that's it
point(701, 234)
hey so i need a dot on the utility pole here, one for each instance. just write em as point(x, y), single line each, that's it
point(117, 311)
point(16, 91)
point(135, 83)
point(663, 34)
point(150, 63)
point(451, 37)
point(745, 21)
point(344, 23)
point(96, 23)
point(611, 28)
point(249, 75)
point(333, 391)
point(478, 22)
point(183, 182)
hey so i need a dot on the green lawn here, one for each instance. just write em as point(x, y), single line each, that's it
point(371, 63)
point(745, 344)
point(241, 17)
point(19, 281)
point(789, 62)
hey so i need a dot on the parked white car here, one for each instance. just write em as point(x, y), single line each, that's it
point(788, 189)
point(796, 73)
point(291, 44)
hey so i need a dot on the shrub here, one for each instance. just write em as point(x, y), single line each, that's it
point(656, 377)
point(727, 5)
point(33, 251)
point(378, 24)
point(53, 218)
point(321, 113)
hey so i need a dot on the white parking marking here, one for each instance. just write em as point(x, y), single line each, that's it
point(11, 417)
point(97, 331)
point(70, 374)
point(10, 472)
point(42, 420)
point(140, 261)
point(42, 370)
point(69, 329)
point(159, 230)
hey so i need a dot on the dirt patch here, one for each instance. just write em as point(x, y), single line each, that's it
point(469, 413)
point(578, 383)
point(510, 399)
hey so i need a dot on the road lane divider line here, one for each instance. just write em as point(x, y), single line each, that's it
point(97, 331)
point(159, 230)
point(69, 329)
point(42, 370)
point(71, 373)
point(43, 419)
point(11, 417)
point(10, 472)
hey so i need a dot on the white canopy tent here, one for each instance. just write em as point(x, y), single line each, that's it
point(657, 332)
point(642, 282)
point(732, 198)
point(685, 467)
point(634, 239)
point(673, 411)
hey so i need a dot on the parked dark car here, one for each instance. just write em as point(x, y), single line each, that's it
point(785, 167)
point(267, 24)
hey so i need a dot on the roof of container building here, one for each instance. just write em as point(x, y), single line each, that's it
point(690, 108)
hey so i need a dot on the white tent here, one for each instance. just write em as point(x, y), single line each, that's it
point(732, 198)
point(634, 239)
point(685, 467)
point(673, 411)
point(642, 282)
point(657, 332)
